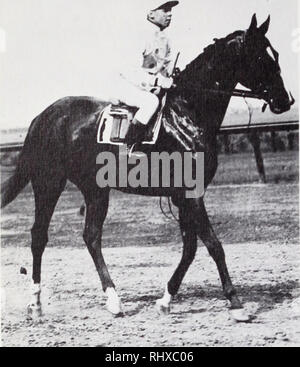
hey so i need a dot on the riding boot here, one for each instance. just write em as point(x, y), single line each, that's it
point(135, 133)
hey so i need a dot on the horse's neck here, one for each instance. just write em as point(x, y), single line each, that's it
point(220, 105)
point(198, 86)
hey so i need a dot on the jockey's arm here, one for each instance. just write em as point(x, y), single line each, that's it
point(158, 76)
point(148, 78)
point(149, 71)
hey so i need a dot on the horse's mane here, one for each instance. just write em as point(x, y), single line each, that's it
point(183, 100)
point(209, 51)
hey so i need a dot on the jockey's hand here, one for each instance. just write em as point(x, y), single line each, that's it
point(156, 90)
point(176, 73)
point(164, 82)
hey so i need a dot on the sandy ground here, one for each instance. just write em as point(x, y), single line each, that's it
point(74, 306)
point(258, 225)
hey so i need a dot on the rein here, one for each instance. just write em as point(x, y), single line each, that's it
point(242, 94)
point(170, 210)
point(237, 93)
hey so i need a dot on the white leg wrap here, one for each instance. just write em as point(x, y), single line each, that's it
point(34, 309)
point(163, 304)
point(113, 303)
point(167, 297)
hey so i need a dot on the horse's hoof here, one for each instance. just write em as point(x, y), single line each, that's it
point(239, 315)
point(34, 312)
point(162, 308)
point(115, 308)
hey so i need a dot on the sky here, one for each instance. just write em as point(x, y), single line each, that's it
point(50, 49)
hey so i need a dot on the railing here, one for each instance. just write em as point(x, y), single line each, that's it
point(261, 127)
point(226, 130)
point(11, 147)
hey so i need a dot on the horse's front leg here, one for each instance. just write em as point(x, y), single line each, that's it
point(206, 233)
point(189, 238)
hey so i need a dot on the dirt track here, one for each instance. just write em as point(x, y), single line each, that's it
point(265, 272)
point(265, 276)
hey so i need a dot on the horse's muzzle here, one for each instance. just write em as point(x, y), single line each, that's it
point(279, 107)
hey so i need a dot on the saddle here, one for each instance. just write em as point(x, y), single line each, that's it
point(114, 121)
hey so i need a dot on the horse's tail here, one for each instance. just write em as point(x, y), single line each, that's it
point(16, 183)
point(21, 175)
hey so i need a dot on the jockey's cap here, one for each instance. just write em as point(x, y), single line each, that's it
point(159, 4)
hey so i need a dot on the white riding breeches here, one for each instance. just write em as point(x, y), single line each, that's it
point(145, 101)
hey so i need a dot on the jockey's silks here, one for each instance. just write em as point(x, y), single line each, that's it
point(157, 54)
point(156, 59)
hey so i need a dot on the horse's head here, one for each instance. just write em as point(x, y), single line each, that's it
point(260, 70)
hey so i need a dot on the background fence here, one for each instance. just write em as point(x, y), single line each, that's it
point(259, 137)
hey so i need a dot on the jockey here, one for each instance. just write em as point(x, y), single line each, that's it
point(141, 87)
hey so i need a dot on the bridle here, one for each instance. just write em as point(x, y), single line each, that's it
point(262, 91)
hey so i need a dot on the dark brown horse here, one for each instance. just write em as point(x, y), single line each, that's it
point(61, 144)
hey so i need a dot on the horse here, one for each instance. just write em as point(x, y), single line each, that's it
point(61, 145)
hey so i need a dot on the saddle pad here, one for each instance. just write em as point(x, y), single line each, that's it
point(113, 124)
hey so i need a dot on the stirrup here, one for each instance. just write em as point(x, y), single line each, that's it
point(130, 150)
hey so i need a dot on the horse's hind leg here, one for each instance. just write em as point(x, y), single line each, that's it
point(189, 238)
point(46, 194)
point(96, 211)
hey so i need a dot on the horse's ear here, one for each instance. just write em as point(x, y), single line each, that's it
point(253, 25)
point(265, 26)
